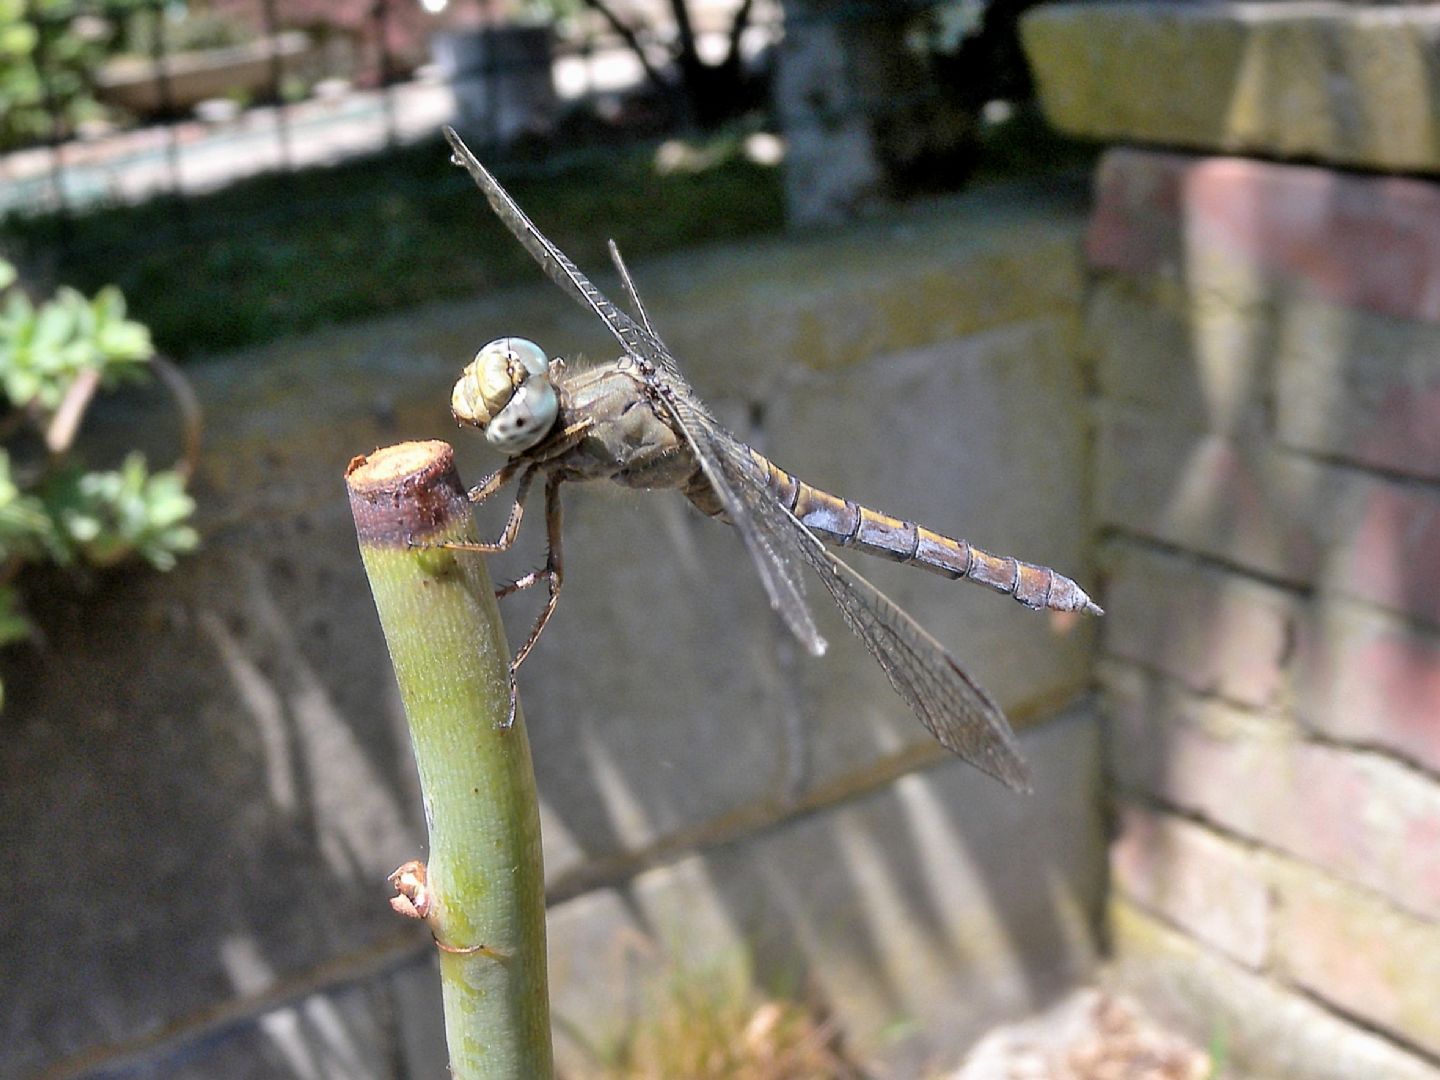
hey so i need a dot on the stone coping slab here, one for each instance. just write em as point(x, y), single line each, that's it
point(1323, 81)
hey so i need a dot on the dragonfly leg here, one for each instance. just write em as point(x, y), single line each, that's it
point(553, 574)
point(507, 536)
point(494, 482)
point(526, 581)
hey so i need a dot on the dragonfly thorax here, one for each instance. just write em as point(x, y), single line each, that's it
point(506, 392)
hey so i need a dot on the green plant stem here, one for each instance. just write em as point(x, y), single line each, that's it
point(485, 879)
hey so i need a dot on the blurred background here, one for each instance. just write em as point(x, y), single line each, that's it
point(1144, 291)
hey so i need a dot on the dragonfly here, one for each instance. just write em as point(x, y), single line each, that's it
point(637, 422)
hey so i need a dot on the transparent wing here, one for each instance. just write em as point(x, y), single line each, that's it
point(780, 572)
point(958, 712)
point(631, 293)
point(637, 342)
point(749, 506)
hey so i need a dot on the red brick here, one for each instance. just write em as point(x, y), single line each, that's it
point(1366, 678)
point(1389, 548)
point(1360, 816)
point(1250, 505)
point(1356, 952)
point(1214, 632)
point(1201, 359)
point(1271, 510)
point(1210, 887)
point(1359, 387)
point(1265, 1028)
point(1366, 241)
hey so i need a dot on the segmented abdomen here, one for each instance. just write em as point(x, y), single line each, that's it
point(849, 525)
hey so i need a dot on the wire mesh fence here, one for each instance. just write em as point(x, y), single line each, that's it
point(128, 99)
point(277, 165)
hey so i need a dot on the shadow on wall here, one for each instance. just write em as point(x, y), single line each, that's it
point(916, 915)
point(211, 794)
point(193, 861)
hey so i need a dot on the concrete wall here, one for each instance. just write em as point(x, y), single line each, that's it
point(1266, 340)
point(204, 776)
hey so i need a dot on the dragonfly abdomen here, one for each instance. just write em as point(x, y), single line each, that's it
point(849, 525)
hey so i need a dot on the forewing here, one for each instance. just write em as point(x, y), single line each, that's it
point(958, 712)
point(781, 575)
point(752, 510)
point(631, 293)
point(636, 341)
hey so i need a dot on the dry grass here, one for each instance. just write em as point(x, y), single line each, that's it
point(715, 1026)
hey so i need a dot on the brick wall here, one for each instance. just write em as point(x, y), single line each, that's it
point(1266, 347)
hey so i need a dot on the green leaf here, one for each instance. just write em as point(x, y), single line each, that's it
point(43, 350)
point(109, 516)
point(25, 526)
point(57, 322)
point(14, 626)
point(17, 38)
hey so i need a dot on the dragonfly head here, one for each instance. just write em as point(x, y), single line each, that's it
point(506, 392)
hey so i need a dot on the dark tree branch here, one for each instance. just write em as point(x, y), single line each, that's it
point(686, 30)
point(632, 42)
point(737, 30)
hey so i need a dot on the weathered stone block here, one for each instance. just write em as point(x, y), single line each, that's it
point(906, 904)
point(1240, 227)
point(219, 774)
point(1188, 751)
point(1281, 514)
point(1364, 677)
point(388, 1025)
point(1351, 949)
point(1363, 817)
point(1341, 382)
point(650, 706)
point(1214, 632)
point(1337, 82)
point(1208, 886)
point(1266, 1030)
point(229, 734)
point(827, 303)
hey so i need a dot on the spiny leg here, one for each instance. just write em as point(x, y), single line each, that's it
point(567, 437)
point(492, 483)
point(554, 571)
point(553, 574)
point(548, 572)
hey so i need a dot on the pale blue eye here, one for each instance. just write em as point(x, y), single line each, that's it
point(522, 350)
point(526, 419)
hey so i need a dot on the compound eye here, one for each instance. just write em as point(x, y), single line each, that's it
point(526, 419)
point(516, 351)
point(489, 381)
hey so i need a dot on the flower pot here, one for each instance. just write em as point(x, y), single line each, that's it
point(132, 83)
